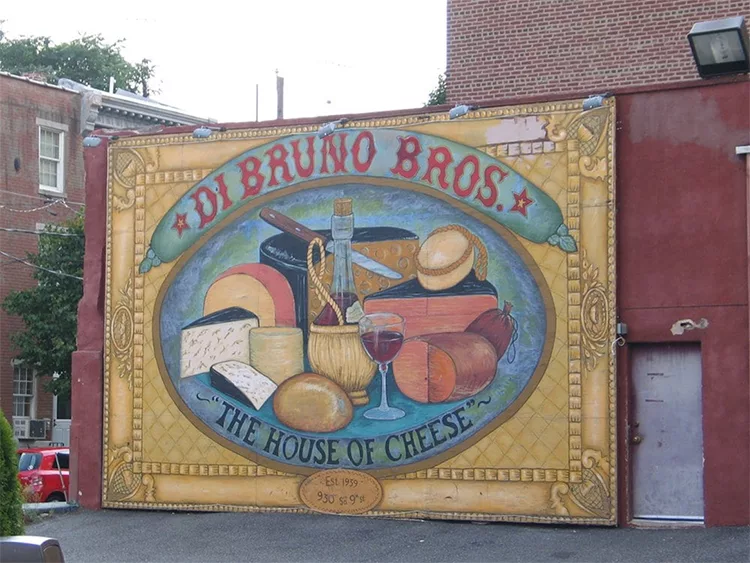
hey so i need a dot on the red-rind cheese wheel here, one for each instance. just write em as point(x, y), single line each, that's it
point(257, 288)
point(435, 368)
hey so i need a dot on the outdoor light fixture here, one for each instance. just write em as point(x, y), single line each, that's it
point(461, 110)
point(204, 131)
point(96, 140)
point(720, 47)
point(329, 128)
point(594, 101)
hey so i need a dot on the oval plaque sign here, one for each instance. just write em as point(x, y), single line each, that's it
point(341, 491)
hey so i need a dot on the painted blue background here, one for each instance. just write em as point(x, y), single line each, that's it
point(374, 206)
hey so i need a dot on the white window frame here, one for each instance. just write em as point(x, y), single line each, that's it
point(32, 403)
point(59, 129)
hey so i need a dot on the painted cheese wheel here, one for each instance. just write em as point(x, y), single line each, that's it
point(254, 287)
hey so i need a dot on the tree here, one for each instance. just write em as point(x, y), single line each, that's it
point(11, 502)
point(50, 309)
point(439, 95)
point(89, 59)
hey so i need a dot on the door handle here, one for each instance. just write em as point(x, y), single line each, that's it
point(636, 439)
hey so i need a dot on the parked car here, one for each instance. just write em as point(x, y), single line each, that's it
point(44, 473)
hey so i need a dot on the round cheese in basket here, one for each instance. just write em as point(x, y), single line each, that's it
point(447, 256)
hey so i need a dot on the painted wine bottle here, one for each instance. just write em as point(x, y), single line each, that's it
point(343, 290)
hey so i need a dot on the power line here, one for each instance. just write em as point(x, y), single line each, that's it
point(22, 261)
point(52, 233)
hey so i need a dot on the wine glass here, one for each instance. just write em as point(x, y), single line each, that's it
point(382, 335)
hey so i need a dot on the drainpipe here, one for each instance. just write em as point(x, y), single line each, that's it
point(745, 149)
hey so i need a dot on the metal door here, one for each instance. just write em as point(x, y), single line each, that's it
point(61, 420)
point(667, 432)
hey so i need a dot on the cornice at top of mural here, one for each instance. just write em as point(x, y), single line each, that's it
point(249, 131)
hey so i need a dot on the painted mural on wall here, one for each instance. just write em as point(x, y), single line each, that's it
point(406, 316)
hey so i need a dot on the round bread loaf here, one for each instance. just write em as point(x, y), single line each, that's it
point(309, 402)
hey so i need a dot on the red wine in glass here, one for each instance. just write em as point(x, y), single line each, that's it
point(383, 347)
point(382, 335)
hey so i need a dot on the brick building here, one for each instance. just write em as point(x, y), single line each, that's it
point(42, 182)
point(536, 47)
point(682, 225)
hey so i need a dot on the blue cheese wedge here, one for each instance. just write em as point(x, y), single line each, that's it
point(242, 382)
point(218, 337)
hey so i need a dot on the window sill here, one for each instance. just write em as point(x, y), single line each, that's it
point(51, 192)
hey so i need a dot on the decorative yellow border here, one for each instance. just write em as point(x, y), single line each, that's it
point(131, 461)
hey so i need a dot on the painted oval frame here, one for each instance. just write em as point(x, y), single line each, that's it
point(464, 444)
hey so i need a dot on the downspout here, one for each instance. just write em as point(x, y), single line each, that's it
point(745, 150)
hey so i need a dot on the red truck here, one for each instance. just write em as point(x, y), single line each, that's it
point(44, 474)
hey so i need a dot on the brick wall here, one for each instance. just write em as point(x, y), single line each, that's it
point(500, 49)
point(21, 103)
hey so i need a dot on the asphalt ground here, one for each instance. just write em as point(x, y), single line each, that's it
point(124, 536)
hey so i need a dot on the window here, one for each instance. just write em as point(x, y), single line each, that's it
point(28, 461)
point(51, 156)
point(61, 461)
point(62, 406)
point(23, 391)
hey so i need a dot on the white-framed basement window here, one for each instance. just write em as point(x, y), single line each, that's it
point(24, 388)
point(51, 156)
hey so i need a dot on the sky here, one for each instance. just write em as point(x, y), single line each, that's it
point(336, 56)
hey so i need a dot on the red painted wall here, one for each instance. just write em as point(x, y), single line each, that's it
point(499, 49)
point(86, 429)
point(682, 253)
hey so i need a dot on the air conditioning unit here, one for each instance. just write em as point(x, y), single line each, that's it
point(38, 429)
point(21, 428)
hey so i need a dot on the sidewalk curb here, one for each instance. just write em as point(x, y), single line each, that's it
point(36, 508)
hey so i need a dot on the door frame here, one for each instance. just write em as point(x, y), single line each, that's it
point(625, 416)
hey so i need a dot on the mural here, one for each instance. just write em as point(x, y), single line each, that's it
point(410, 316)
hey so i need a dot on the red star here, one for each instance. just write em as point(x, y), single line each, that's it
point(180, 223)
point(522, 202)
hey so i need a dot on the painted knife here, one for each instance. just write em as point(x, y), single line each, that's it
point(293, 228)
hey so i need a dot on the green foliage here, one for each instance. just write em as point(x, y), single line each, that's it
point(11, 502)
point(439, 95)
point(50, 310)
point(89, 59)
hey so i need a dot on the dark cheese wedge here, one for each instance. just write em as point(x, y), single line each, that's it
point(412, 289)
point(223, 316)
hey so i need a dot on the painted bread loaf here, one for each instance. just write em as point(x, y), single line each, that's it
point(435, 368)
point(309, 402)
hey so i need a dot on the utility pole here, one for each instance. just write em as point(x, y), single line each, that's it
point(279, 96)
